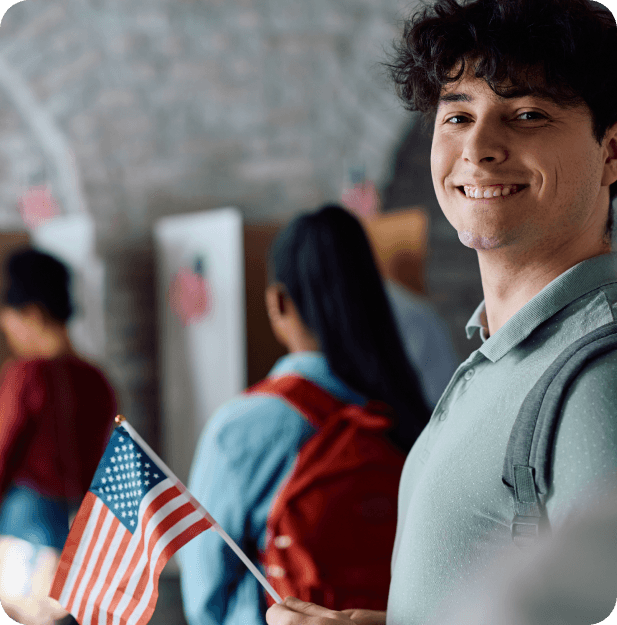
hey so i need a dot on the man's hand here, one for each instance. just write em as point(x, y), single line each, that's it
point(366, 617)
point(295, 612)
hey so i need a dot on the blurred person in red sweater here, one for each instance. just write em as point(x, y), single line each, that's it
point(56, 412)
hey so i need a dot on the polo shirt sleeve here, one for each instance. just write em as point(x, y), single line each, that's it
point(585, 452)
point(13, 418)
point(245, 450)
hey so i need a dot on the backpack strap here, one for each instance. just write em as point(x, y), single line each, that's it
point(309, 399)
point(317, 405)
point(528, 463)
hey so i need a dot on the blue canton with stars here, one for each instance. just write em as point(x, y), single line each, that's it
point(124, 475)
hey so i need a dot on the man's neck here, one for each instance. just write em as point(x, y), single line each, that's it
point(508, 283)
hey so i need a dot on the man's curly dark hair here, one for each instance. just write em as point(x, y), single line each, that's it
point(564, 50)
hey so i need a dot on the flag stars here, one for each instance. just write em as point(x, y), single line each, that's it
point(132, 522)
point(124, 514)
point(108, 470)
point(116, 449)
point(104, 480)
point(112, 459)
point(113, 487)
point(123, 447)
point(115, 468)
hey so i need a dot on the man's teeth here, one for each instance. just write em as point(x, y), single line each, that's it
point(489, 192)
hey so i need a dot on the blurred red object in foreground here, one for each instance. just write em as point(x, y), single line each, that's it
point(38, 205)
point(190, 296)
point(362, 200)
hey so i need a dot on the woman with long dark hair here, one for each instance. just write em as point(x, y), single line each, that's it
point(327, 306)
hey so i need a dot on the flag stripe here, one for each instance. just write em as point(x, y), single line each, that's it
point(107, 581)
point(151, 504)
point(158, 561)
point(150, 527)
point(99, 512)
point(179, 541)
point(71, 546)
point(176, 515)
point(116, 537)
point(98, 539)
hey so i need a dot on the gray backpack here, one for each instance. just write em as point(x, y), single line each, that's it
point(528, 462)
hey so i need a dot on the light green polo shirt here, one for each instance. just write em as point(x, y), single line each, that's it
point(454, 510)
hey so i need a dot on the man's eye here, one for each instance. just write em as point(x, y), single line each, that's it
point(457, 119)
point(531, 116)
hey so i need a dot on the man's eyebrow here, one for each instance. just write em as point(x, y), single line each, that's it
point(454, 97)
point(512, 94)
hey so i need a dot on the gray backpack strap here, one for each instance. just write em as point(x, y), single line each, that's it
point(528, 462)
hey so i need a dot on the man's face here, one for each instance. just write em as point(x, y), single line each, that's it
point(520, 172)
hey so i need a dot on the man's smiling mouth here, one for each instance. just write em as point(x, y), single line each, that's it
point(491, 191)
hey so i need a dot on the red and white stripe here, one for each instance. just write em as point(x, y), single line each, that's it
point(108, 576)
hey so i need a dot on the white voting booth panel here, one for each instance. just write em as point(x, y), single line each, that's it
point(202, 346)
point(71, 238)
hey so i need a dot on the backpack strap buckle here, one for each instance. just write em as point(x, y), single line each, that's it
point(525, 530)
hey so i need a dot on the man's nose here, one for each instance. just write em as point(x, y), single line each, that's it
point(485, 144)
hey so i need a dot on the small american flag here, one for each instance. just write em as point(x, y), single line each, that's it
point(135, 516)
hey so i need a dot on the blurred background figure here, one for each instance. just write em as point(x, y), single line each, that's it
point(327, 306)
point(425, 336)
point(57, 411)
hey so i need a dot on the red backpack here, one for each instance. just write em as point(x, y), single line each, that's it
point(330, 531)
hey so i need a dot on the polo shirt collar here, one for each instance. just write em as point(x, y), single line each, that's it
point(583, 278)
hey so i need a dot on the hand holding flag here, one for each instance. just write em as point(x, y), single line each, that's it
point(135, 516)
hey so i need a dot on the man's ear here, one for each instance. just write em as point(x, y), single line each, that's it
point(610, 164)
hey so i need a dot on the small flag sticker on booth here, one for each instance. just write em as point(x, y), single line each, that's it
point(190, 294)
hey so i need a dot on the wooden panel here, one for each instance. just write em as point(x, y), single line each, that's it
point(9, 241)
point(400, 242)
point(262, 348)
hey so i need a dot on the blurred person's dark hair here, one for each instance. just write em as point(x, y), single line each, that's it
point(325, 262)
point(36, 278)
point(562, 50)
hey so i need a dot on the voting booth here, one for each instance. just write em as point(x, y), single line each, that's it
point(201, 324)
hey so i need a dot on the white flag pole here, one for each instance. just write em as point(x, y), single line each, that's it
point(120, 420)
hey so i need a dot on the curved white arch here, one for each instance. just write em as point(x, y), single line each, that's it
point(49, 136)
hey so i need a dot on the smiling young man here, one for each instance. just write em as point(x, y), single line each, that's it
point(522, 96)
